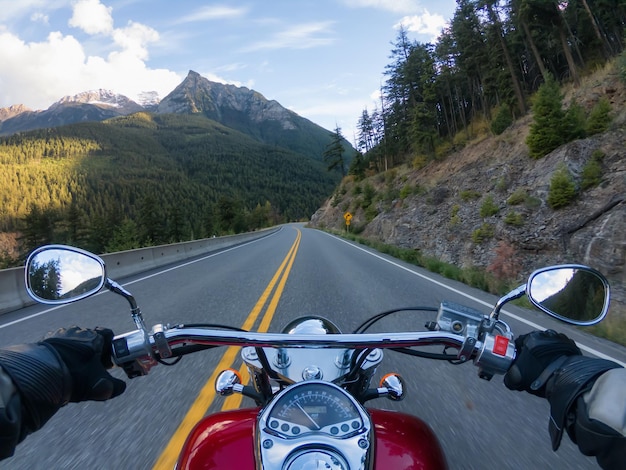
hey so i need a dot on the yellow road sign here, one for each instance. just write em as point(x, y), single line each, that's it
point(348, 217)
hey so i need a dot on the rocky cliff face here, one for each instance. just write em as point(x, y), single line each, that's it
point(197, 94)
point(12, 111)
point(441, 219)
point(249, 112)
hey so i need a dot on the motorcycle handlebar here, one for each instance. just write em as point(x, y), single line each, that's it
point(138, 351)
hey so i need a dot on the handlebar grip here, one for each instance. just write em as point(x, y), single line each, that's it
point(132, 352)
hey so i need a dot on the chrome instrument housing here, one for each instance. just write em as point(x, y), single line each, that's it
point(348, 446)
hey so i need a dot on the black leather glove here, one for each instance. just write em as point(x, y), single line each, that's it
point(537, 351)
point(87, 355)
point(68, 365)
point(550, 365)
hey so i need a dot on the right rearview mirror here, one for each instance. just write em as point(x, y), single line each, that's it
point(575, 294)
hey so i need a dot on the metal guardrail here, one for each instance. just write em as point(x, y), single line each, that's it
point(13, 294)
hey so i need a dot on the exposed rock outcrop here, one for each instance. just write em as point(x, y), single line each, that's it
point(441, 219)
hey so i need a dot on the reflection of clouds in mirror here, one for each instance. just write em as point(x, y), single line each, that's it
point(548, 283)
point(75, 268)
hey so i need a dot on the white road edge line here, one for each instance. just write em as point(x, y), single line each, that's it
point(144, 278)
point(584, 347)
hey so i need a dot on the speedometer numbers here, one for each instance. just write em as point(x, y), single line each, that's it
point(312, 422)
point(316, 408)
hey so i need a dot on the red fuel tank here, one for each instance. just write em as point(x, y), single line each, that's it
point(226, 440)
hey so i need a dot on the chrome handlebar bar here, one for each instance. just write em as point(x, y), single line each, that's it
point(137, 352)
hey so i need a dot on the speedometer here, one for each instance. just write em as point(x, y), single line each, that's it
point(314, 407)
point(314, 424)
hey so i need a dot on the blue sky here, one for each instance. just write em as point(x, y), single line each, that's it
point(324, 59)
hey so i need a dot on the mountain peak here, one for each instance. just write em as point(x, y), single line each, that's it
point(11, 111)
point(102, 98)
point(239, 108)
point(197, 94)
point(94, 105)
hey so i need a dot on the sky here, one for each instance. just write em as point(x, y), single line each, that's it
point(323, 59)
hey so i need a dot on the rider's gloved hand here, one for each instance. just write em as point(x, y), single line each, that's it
point(87, 355)
point(67, 365)
point(537, 351)
point(550, 365)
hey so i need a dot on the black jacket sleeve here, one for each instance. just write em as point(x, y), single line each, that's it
point(34, 384)
point(597, 422)
point(10, 416)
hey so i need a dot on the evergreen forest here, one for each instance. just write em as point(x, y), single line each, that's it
point(481, 73)
point(144, 179)
point(149, 179)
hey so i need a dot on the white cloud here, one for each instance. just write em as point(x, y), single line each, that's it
point(426, 23)
point(234, 67)
point(37, 74)
point(394, 6)
point(39, 17)
point(216, 78)
point(25, 65)
point(300, 36)
point(134, 39)
point(375, 96)
point(212, 12)
point(92, 17)
point(13, 9)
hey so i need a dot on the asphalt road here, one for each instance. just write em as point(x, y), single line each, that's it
point(481, 424)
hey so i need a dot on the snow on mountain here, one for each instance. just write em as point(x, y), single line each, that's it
point(104, 98)
point(148, 98)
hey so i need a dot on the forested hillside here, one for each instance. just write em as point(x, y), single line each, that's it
point(148, 179)
point(482, 70)
point(499, 148)
point(249, 112)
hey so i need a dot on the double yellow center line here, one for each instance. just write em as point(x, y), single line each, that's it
point(205, 398)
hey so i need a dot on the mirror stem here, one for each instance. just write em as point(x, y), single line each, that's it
point(514, 294)
point(134, 309)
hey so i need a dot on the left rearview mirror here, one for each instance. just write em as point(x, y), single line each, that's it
point(58, 274)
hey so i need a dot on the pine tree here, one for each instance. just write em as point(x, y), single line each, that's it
point(546, 132)
point(599, 118)
point(502, 120)
point(125, 237)
point(562, 188)
point(357, 166)
point(333, 155)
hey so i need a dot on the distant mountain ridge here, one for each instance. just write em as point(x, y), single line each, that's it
point(209, 158)
point(239, 108)
point(95, 105)
point(12, 111)
point(149, 178)
point(102, 98)
point(197, 94)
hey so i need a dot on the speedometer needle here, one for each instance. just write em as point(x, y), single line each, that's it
point(308, 416)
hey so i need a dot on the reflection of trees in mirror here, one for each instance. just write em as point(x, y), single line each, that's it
point(86, 286)
point(63, 274)
point(45, 279)
point(582, 298)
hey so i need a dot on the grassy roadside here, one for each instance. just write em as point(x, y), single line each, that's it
point(612, 328)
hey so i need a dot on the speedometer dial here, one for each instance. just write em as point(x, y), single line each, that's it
point(314, 424)
point(314, 407)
